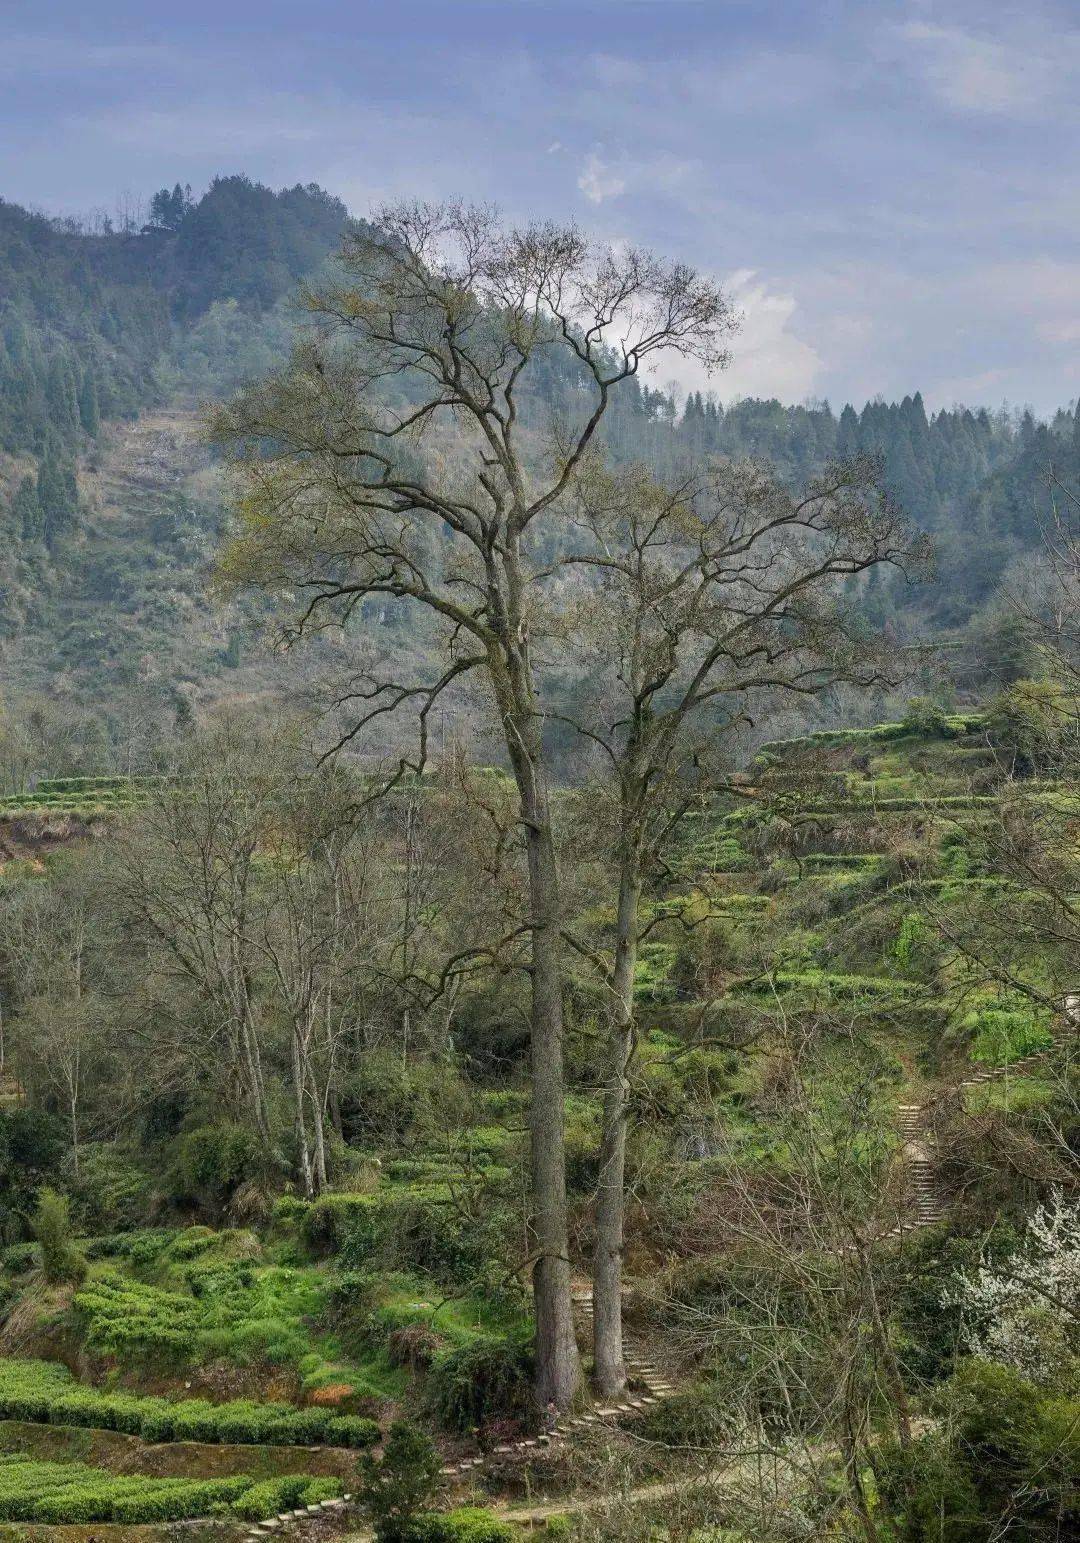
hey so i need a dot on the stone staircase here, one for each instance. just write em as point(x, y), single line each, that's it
point(289, 1519)
point(925, 1199)
point(640, 1369)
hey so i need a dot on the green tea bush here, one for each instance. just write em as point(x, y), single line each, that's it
point(129, 1320)
point(72, 1493)
point(20, 1257)
point(487, 1379)
point(272, 1496)
point(141, 1248)
point(44, 1392)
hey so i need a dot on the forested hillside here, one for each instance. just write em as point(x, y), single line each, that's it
point(99, 328)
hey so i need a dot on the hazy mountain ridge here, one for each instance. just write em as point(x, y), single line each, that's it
point(100, 587)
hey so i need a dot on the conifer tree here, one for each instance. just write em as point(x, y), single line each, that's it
point(26, 511)
point(89, 409)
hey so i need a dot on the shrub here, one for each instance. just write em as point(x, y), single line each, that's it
point(469, 1524)
point(111, 1192)
point(1003, 1448)
point(1035, 722)
point(698, 1416)
point(488, 1379)
point(926, 717)
point(399, 1488)
point(60, 1260)
point(406, 1230)
point(212, 1162)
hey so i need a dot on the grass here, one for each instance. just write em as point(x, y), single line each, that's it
point(1001, 1035)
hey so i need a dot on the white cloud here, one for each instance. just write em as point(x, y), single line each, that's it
point(1019, 74)
point(768, 359)
point(597, 180)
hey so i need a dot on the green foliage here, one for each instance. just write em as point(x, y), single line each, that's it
point(926, 718)
point(387, 1100)
point(272, 1496)
point(1035, 722)
point(44, 1392)
point(1000, 1035)
point(487, 1379)
point(698, 1416)
point(111, 1190)
point(60, 1259)
point(212, 1161)
point(1003, 1448)
point(469, 1524)
point(229, 1310)
point(65, 1493)
point(410, 1229)
point(32, 1147)
point(400, 1486)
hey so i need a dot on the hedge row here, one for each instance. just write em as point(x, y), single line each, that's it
point(951, 726)
point(72, 1493)
point(96, 784)
point(836, 985)
point(45, 1393)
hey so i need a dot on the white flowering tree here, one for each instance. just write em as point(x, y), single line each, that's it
point(1024, 1311)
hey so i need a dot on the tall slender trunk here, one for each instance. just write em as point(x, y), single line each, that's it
point(558, 1366)
point(321, 1180)
point(610, 1209)
point(299, 1093)
point(558, 1369)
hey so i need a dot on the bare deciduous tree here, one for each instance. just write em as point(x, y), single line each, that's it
point(393, 459)
point(713, 595)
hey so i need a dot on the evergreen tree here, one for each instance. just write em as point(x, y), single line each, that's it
point(847, 434)
point(61, 395)
point(26, 511)
point(89, 410)
point(58, 496)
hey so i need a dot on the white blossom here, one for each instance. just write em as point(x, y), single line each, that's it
point(1025, 1311)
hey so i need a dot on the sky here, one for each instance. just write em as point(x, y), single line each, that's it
point(890, 192)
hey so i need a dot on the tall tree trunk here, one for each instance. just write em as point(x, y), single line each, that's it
point(558, 1366)
point(319, 1113)
point(299, 1095)
point(609, 1215)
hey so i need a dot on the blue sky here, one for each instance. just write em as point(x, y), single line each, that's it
point(891, 191)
